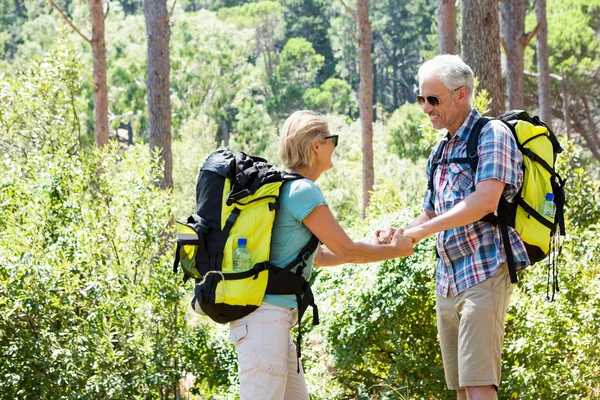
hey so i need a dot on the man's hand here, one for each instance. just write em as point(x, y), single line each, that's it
point(416, 233)
point(403, 242)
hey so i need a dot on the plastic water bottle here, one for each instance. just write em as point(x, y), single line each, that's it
point(242, 261)
point(549, 208)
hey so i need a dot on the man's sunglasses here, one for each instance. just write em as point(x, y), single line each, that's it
point(434, 100)
point(334, 139)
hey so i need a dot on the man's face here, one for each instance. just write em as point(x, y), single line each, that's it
point(445, 114)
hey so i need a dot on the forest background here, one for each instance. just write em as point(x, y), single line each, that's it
point(89, 306)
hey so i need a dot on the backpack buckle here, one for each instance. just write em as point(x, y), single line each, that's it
point(305, 256)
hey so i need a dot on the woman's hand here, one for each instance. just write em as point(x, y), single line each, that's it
point(383, 236)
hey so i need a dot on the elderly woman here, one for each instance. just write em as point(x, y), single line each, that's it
point(266, 352)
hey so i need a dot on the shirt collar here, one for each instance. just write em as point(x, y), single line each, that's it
point(463, 132)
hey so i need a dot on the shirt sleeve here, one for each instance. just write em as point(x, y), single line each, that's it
point(500, 158)
point(305, 196)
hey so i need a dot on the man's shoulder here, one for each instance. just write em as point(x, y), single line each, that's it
point(495, 127)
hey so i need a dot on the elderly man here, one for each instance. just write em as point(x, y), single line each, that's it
point(472, 279)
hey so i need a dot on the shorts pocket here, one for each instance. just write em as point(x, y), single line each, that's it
point(497, 282)
point(263, 362)
point(262, 375)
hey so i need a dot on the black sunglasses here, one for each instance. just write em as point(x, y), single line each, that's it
point(434, 100)
point(334, 139)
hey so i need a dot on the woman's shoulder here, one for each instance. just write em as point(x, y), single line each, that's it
point(303, 190)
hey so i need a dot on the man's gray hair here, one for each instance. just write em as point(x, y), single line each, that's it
point(452, 70)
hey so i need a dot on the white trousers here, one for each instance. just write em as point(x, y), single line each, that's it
point(267, 355)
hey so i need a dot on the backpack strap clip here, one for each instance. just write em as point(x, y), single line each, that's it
point(232, 218)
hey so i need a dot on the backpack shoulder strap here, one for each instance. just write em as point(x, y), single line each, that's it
point(291, 176)
point(435, 161)
point(473, 142)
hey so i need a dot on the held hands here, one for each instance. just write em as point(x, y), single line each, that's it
point(386, 236)
point(394, 237)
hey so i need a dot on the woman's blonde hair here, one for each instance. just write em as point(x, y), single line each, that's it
point(297, 135)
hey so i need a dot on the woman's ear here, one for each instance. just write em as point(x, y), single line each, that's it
point(315, 146)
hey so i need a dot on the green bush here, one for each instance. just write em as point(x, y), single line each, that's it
point(89, 306)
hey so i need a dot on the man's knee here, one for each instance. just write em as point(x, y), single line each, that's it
point(481, 393)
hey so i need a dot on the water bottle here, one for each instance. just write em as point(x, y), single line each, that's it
point(549, 209)
point(242, 261)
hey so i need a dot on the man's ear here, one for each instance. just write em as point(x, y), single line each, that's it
point(463, 93)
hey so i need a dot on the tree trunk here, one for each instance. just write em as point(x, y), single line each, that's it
point(99, 60)
point(365, 98)
point(591, 138)
point(515, 41)
point(447, 26)
point(374, 66)
point(543, 64)
point(158, 34)
point(480, 45)
point(395, 84)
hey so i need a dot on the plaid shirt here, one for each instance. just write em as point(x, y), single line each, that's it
point(470, 254)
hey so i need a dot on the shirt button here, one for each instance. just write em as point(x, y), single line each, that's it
point(269, 368)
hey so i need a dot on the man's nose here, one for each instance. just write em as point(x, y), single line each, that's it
point(427, 108)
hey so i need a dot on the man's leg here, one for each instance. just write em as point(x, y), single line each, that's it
point(482, 310)
point(481, 393)
point(461, 394)
point(447, 325)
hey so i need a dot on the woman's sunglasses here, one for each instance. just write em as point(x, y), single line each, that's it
point(434, 100)
point(334, 139)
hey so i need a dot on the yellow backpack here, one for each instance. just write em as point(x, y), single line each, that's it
point(540, 148)
point(237, 196)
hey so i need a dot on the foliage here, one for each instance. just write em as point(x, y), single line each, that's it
point(379, 326)
point(340, 185)
point(334, 96)
point(551, 349)
point(296, 72)
point(90, 307)
point(582, 189)
point(406, 129)
point(309, 19)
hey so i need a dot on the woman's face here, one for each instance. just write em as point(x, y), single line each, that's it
point(324, 151)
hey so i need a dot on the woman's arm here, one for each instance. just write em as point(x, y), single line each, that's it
point(325, 258)
point(341, 249)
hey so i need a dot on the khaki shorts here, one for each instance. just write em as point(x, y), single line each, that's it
point(267, 355)
point(471, 330)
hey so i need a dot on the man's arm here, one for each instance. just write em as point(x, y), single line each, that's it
point(481, 202)
point(385, 235)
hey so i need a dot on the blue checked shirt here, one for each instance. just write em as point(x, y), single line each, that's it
point(470, 254)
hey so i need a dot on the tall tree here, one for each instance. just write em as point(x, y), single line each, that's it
point(365, 98)
point(365, 94)
point(514, 41)
point(97, 17)
point(543, 66)
point(480, 47)
point(447, 26)
point(100, 88)
point(400, 29)
point(267, 20)
point(158, 34)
